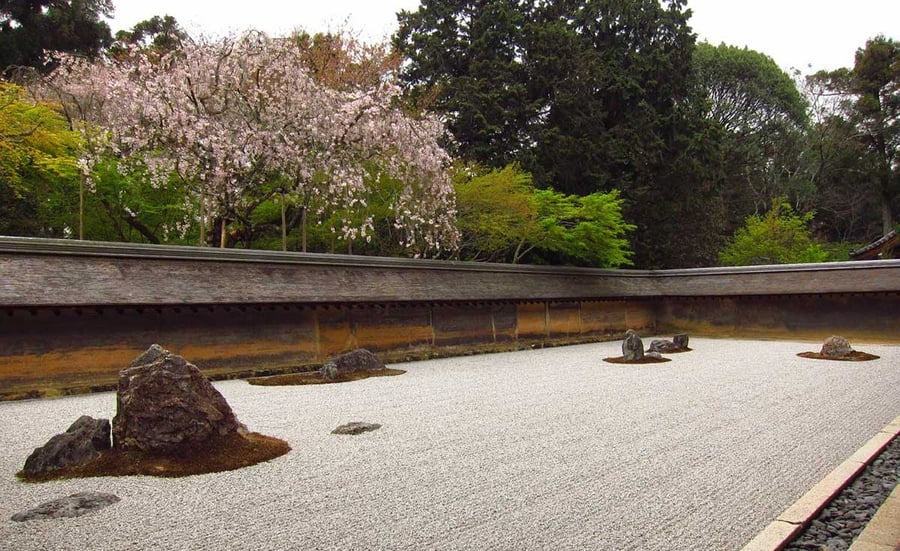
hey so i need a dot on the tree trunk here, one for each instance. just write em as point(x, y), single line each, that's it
point(283, 226)
point(203, 219)
point(303, 228)
point(887, 214)
point(224, 236)
point(81, 209)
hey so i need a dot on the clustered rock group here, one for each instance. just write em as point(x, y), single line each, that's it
point(633, 346)
point(163, 404)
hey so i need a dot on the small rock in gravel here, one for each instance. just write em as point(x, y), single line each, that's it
point(73, 506)
point(356, 427)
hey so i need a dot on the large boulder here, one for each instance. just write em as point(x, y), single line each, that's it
point(81, 443)
point(164, 403)
point(355, 360)
point(836, 347)
point(632, 346)
point(681, 340)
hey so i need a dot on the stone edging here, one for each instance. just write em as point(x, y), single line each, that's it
point(883, 531)
point(795, 518)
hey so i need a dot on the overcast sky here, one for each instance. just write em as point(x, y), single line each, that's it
point(823, 34)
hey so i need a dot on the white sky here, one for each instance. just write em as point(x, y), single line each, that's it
point(823, 34)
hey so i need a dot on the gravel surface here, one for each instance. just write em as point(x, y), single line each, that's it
point(844, 518)
point(543, 449)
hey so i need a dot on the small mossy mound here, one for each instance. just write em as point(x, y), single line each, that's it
point(644, 360)
point(316, 378)
point(852, 356)
point(218, 454)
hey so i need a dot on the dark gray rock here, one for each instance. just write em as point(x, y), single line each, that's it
point(681, 340)
point(356, 427)
point(836, 347)
point(73, 506)
point(632, 346)
point(654, 355)
point(661, 346)
point(81, 443)
point(357, 360)
point(166, 403)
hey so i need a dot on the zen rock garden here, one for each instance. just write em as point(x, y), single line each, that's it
point(633, 349)
point(170, 421)
point(838, 349)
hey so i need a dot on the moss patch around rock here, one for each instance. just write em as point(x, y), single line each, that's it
point(854, 356)
point(644, 360)
point(315, 378)
point(225, 453)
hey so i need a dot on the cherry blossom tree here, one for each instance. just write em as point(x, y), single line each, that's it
point(243, 119)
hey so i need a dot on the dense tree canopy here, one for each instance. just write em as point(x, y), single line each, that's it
point(594, 120)
point(853, 145)
point(241, 120)
point(761, 116)
point(503, 218)
point(163, 34)
point(29, 29)
point(778, 237)
point(38, 160)
point(577, 91)
point(587, 95)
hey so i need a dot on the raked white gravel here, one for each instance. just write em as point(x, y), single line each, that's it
point(543, 449)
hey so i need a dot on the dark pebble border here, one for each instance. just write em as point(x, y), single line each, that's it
point(845, 517)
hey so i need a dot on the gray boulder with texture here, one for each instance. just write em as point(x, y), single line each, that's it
point(836, 347)
point(661, 346)
point(632, 346)
point(355, 360)
point(165, 403)
point(81, 443)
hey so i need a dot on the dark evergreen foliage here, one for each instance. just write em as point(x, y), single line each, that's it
point(31, 28)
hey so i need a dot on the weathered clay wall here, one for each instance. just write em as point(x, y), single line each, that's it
point(860, 317)
point(48, 351)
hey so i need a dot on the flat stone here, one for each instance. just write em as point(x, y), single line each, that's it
point(356, 427)
point(74, 505)
point(774, 536)
point(808, 506)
